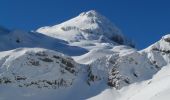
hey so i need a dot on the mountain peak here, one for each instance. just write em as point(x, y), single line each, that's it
point(89, 25)
point(90, 13)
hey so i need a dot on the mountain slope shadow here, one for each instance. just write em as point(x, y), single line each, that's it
point(16, 39)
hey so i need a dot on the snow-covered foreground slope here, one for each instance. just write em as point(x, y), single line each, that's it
point(158, 88)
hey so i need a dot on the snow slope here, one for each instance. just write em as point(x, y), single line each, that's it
point(157, 88)
point(15, 39)
point(40, 68)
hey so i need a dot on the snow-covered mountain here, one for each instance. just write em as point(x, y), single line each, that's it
point(86, 57)
point(87, 26)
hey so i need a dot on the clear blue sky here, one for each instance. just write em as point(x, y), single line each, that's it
point(144, 21)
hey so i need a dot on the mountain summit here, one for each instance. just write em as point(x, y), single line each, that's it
point(88, 25)
point(91, 13)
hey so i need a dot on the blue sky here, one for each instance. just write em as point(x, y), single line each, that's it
point(144, 21)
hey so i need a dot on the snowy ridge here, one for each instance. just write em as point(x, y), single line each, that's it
point(159, 53)
point(37, 67)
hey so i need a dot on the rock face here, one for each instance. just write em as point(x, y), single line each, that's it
point(121, 70)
